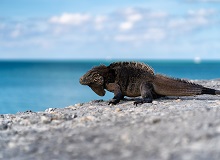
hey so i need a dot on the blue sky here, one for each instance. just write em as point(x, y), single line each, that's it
point(140, 29)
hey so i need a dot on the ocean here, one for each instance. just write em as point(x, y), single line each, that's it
point(38, 85)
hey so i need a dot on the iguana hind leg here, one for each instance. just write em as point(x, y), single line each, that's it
point(146, 90)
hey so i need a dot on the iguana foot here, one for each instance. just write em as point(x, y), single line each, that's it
point(141, 101)
point(113, 102)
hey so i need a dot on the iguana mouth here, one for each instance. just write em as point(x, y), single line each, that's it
point(99, 90)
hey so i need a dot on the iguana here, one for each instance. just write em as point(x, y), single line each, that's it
point(133, 79)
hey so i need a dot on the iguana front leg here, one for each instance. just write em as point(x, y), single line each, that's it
point(146, 90)
point(115, 88)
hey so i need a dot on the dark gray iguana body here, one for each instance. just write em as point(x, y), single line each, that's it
point(135, 79)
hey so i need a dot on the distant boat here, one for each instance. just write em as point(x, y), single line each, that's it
point(197, 60)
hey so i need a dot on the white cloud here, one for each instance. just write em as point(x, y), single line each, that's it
point(99, 22)
point(70, 19)
point(131, 16)
point(124, 26)
point(202, 12)
point(128, 25)
point(176, 23)
point(194, 19)
point(16, 32)
point(151, 35)
point(134, 17)
point(132, 27)
point(126, 38)
point(155, 34)
point(131, 20)
point(100, 19)
point(158, 14)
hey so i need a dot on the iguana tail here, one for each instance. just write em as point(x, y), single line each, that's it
point(210, 91)
point(217, 92)
point(177, 87)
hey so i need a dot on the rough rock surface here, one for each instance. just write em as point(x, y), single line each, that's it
point(186, 128)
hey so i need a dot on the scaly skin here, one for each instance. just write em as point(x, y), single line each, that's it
point(135, 79)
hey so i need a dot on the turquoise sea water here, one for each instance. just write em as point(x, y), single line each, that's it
point(37, 85)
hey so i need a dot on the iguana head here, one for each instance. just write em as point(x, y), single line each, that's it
point(94, 80)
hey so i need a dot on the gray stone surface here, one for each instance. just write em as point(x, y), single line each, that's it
point(186, 128)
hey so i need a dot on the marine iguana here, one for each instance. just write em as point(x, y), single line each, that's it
point(133, 79)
